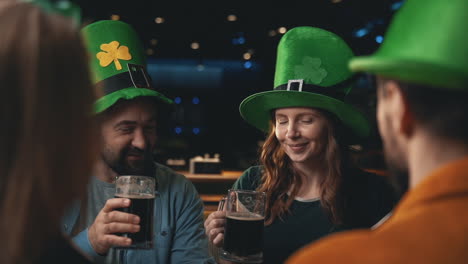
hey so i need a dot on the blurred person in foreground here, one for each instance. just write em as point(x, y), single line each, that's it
point(422, 87)
point(127, 113)
point(313, 188)
point(47, 136)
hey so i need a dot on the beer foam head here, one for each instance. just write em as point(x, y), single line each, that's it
point(135, 196)
point(245, 216)
point(140, 187)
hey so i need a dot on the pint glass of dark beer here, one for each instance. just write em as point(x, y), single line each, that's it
point(243, 232)
point(140, 190)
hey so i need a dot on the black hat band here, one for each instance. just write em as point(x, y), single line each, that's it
point(335, 91)
point(136, 76)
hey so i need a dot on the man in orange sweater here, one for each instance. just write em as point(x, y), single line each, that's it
point(422, 80)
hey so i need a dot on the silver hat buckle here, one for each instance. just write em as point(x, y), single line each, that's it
point(299, 81)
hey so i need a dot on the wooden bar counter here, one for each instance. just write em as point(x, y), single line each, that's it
point(212, 187)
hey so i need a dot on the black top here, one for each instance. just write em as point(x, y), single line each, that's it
point(369, 198)
point(61, 250)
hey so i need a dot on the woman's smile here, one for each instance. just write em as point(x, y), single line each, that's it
point(298, 147)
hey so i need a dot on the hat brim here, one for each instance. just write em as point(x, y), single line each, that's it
point(256, 109)
point(411, 70)
point(128, 93)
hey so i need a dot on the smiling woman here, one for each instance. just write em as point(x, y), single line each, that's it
point(305, 169)
point(301, 132)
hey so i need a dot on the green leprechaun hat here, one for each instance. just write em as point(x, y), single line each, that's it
point(426, 43)
point(311, 71)
point(118, 63)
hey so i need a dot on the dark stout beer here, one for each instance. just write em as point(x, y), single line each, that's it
point(143, 206)
point(243, 234)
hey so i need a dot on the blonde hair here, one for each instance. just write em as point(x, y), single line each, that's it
point(47, 141)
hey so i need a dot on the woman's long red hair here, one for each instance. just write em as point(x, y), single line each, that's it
point(280, 177)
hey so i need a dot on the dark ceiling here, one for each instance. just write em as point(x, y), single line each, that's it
point(214, 125)
point(197, 21)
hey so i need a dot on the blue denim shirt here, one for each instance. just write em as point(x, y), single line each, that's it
point(178, 225)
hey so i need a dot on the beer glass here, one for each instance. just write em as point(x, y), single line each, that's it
point(140, 190)
point(243, 231)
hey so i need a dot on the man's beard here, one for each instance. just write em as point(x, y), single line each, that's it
point(120, 165)
point(397, 168)
point(398, 177)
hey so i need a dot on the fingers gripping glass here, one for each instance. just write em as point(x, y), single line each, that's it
point(140, 190)
point(243, 232)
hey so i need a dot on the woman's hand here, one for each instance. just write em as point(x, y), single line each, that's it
point(214, 227)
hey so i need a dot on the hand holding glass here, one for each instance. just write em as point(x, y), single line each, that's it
point(140, 190)
point(243, 232)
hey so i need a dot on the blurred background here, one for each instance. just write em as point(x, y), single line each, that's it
point(208, 57)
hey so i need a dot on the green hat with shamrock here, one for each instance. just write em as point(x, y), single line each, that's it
point(426, 43)
point(311, 71)
point(118, 63)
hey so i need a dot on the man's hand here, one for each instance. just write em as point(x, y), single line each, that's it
point(101, 232)
point(214, 227)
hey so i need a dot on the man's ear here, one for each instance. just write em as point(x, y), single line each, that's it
point(403, 119)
